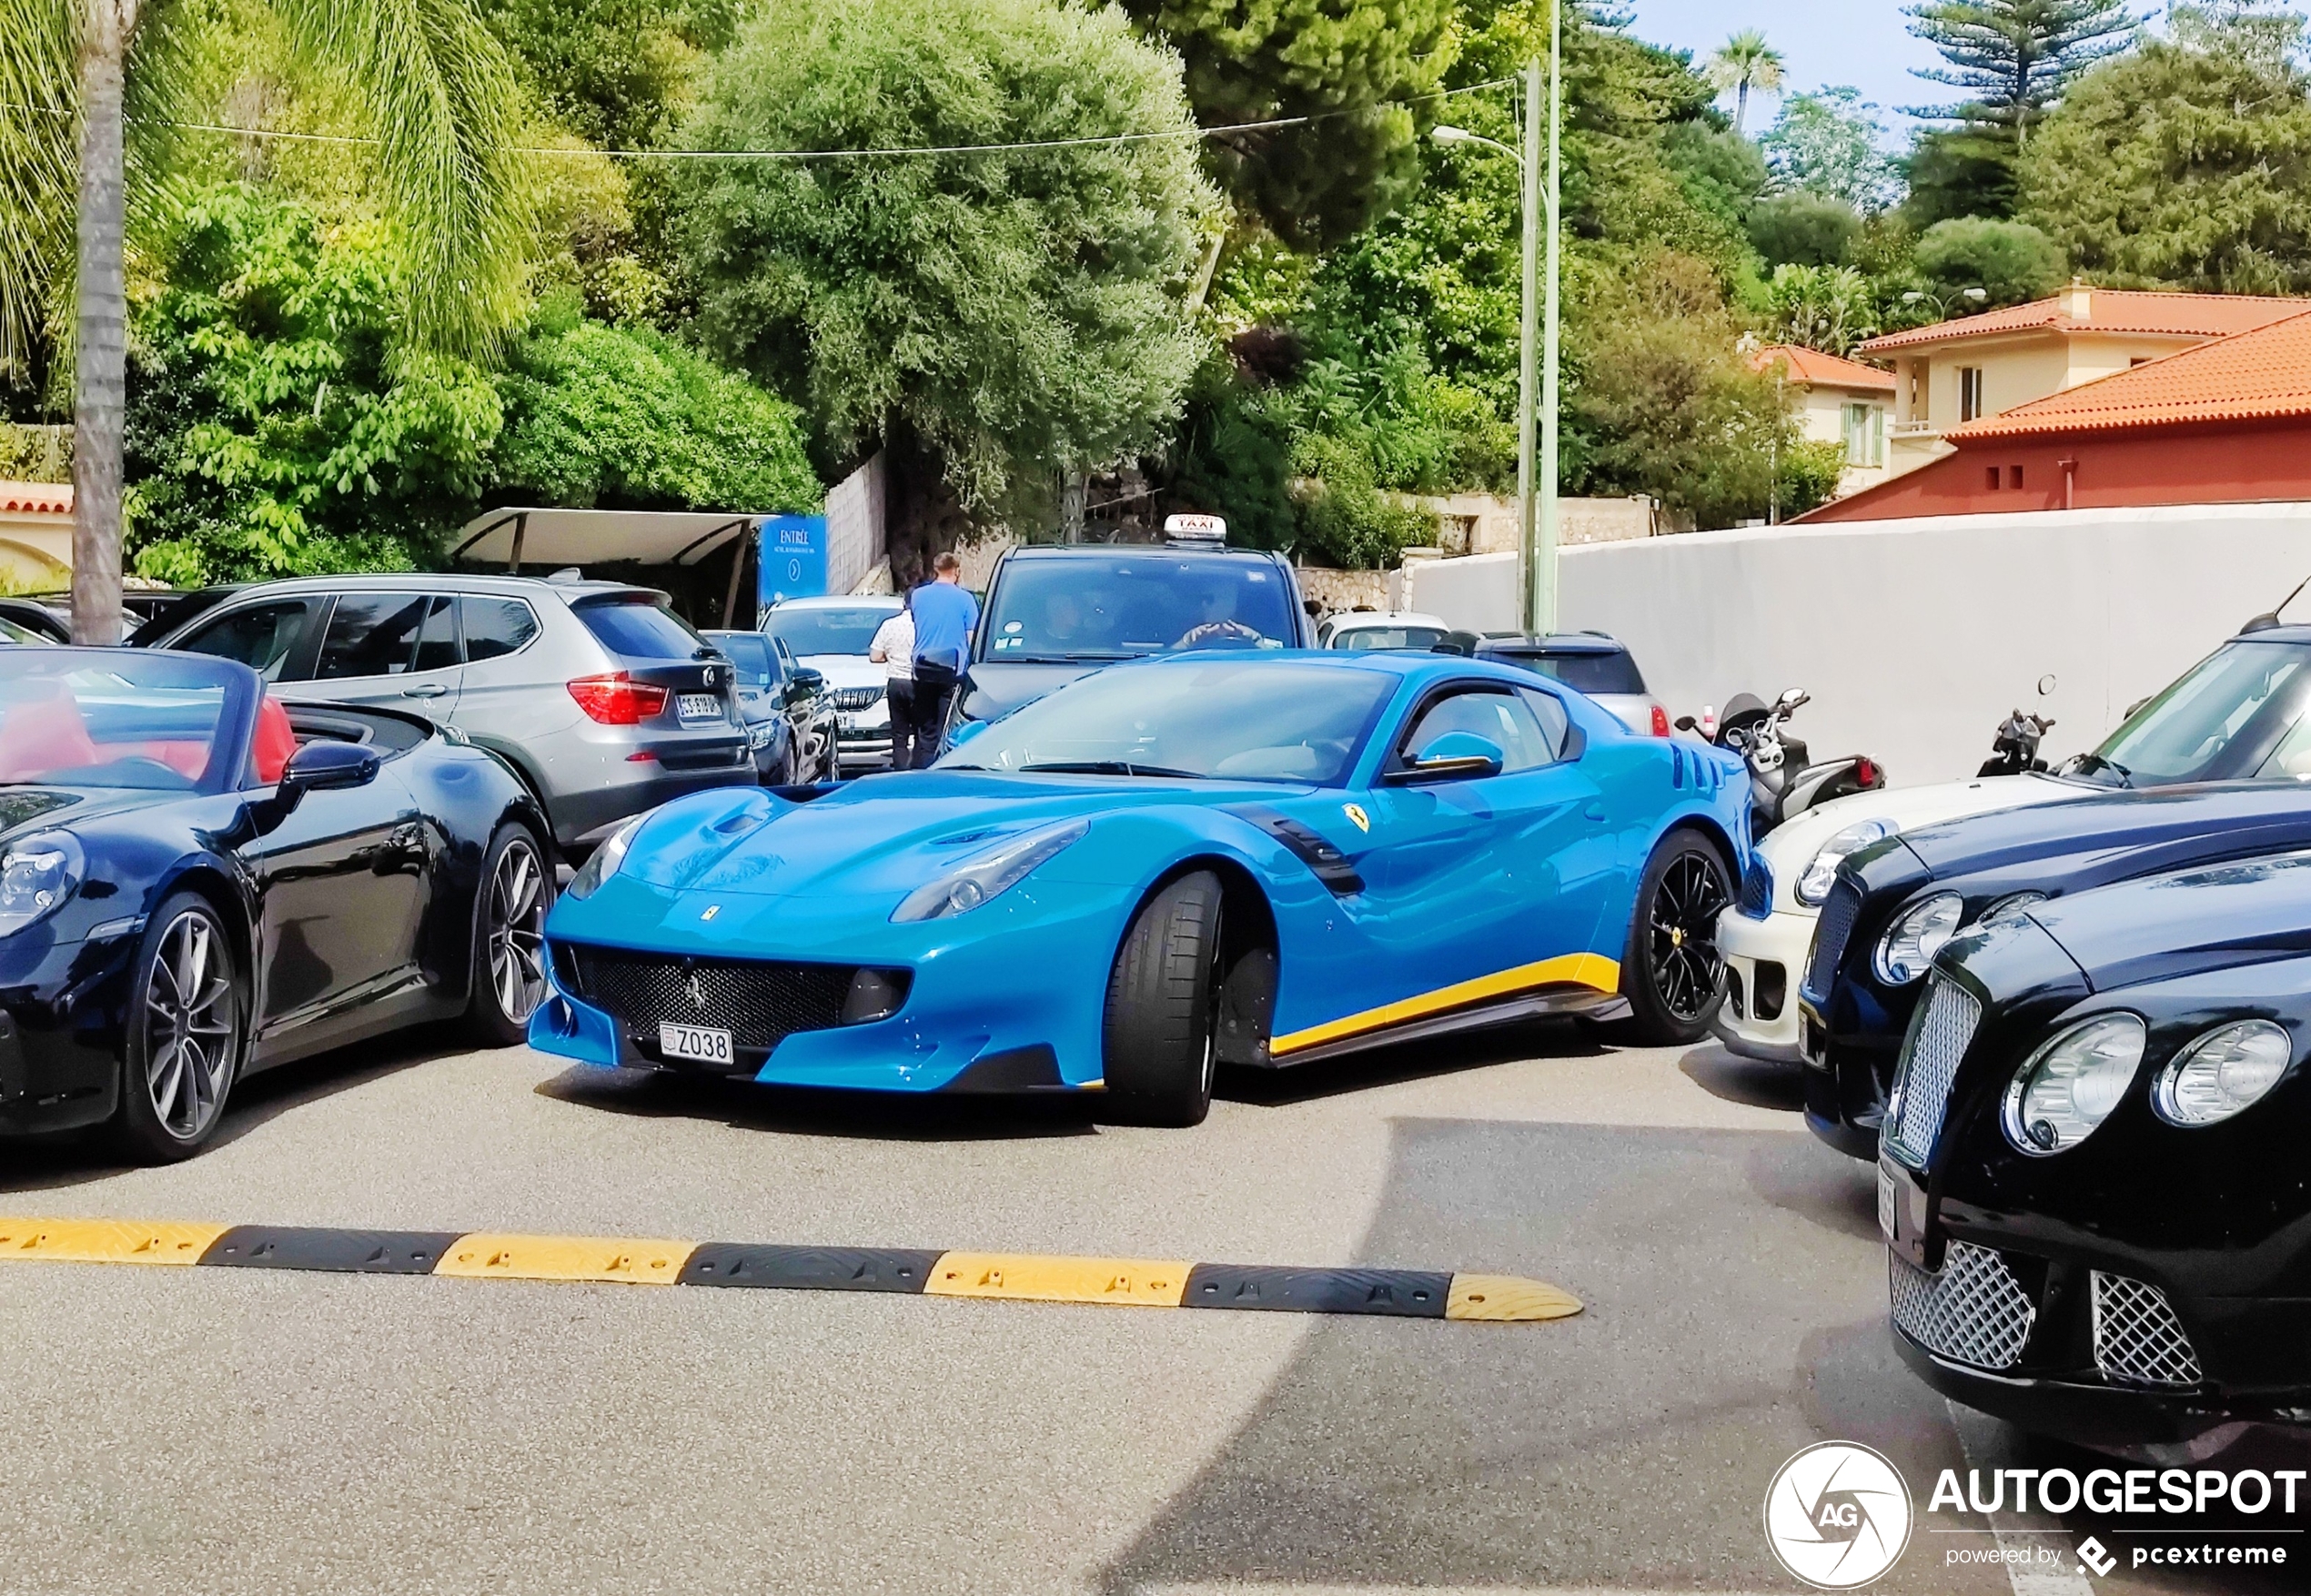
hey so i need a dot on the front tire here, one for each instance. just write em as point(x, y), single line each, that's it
point(186, 1033)
point(509, 937)
point(1672, 972)
point(1161, 1035)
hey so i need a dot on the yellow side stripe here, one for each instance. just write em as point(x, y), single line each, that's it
point(484, 1256)
point(1141, 1282)
point(1567, 969)
point(107, 1241)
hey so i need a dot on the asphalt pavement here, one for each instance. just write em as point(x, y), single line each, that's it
point(231, 1430)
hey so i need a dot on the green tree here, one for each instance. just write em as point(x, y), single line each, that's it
point(1828, 143)
point(2011, 262)
point(1830, 307)
point(991, 318)
point(1357, 66)
point(1744, 61)
point(279, 424)
point(617, 73)
point(85, 150)
point(1802, 228)
point(2015, 57)
point(1958, 172)
point(2180, 166)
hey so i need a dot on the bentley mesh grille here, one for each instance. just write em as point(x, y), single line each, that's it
point(1929, 1066)
point(758, 1002)
point(1973, 1312)
point(1829, 938)
point(1757, 889)
point(2137, 1339)
point(856, 698)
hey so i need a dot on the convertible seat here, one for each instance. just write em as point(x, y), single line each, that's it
point(44, 735)
point(274, 741)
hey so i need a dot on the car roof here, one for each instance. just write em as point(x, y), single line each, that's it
point(1139, 551)
point(1348, 618)
point(453, 581)
point(1415, 663)
point(840, 601)
point(2297, 634)
point(1557, 642)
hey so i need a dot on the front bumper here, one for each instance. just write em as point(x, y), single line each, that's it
point(1763, 960)
point(61, 1030)
point(1008, 997)
point(2082, 1337)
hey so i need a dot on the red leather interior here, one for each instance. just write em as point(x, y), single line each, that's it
point(44, 735)
point(274, 740)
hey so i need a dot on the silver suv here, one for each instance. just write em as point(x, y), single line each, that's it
point(603, 700)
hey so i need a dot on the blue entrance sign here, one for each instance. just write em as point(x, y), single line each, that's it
point(794, 557)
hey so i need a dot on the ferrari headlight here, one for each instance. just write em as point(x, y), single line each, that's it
point(2071, 1084)
point(1907, 949)
point(1815, 886)
point(36, 876)
point(604, 862)
point(987, 874)
point(2226, 1070)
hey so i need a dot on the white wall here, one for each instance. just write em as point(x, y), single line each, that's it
point(1916, 637)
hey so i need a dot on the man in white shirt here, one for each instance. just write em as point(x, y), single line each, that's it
point(894, 649)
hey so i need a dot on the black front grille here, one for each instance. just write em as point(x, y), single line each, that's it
point(760, 1003)
point(1829, 937)
point(1757, 889)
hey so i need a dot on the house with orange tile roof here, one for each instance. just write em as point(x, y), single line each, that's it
point(1954, 373)
point(36, 536)
point(2227, 422)
point(1838, 402)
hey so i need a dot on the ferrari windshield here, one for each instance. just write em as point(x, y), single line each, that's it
point(85, 717)
point(2240, 712)
point(1230, 720)
point(1115, 606)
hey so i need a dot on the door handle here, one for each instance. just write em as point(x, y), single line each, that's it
point(1594, 811)
point(429, 690)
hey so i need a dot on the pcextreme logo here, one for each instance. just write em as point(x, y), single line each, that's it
point(1838, 1515)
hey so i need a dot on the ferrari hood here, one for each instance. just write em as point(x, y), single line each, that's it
point(2244, 912)
point(882, 834)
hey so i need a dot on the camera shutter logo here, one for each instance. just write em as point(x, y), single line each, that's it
point(1838, 1515)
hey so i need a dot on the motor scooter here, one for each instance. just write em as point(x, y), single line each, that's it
point(1783, 782)
point(2015, 750)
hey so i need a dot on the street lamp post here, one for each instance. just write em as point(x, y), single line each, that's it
point(1941, 302)
point(1536, 480)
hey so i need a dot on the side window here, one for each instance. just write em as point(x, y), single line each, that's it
point(371, 634)
point(495, 627)
point(1552, 718)
point(261, 636)
point(1500, 717)
point(438, 638)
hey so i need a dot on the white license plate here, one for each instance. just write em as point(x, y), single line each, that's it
point(694, 1043)
point(701, 706)
point(1885, 1202)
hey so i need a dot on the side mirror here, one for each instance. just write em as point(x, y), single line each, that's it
point(1455, 757)
point(1684, 723)
point(326, 766)
point(1794, 697)
point(965, 730)
point(804, 682)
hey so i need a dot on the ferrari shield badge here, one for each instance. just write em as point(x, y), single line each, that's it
point(1355, 811)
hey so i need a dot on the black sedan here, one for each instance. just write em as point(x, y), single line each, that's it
point(198, 882)
point(2092, 1182)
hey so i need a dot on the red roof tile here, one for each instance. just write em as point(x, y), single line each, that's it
point(35, 497)
point(2109, 310)
point(1816, 369)
point(2251, 376)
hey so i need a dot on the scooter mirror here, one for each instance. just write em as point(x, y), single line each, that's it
point(1794, 697)
point(1683, 722)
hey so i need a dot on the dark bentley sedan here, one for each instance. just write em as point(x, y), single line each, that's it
point(2093, 1183)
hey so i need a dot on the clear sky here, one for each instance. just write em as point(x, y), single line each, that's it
point(1865, 42)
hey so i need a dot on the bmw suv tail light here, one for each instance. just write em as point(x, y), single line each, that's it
point(615, 699)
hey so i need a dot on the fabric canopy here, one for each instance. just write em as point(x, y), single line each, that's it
point(516, 537)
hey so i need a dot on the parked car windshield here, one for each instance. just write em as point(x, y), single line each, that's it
point(125, 721)
point(827, 628)
point(749, 652)
point(641, 628)
point(1099, 606)
point(1233, 720)
point(2239, 713)
point(1600, 672)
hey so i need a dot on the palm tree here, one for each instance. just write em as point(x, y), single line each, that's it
point(1742, 63)
point(97, 89)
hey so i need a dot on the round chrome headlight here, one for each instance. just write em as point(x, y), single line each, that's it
point(2229, 1069)
point(1906, 951)
point(2071, 1084)
point(1820, 875)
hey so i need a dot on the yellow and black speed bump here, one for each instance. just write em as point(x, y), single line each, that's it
point(922, 1272)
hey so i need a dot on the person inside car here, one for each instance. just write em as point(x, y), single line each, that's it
point(1219, 627)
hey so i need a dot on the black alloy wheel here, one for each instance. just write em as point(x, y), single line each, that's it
point(509, 937)
point(184, 1033)
point(1672, 974)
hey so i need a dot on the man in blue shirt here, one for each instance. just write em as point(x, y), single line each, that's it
point(945, 617)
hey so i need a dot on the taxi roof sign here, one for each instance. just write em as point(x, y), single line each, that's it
point(1196, 529)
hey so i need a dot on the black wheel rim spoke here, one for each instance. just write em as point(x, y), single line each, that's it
point(1687, 972)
